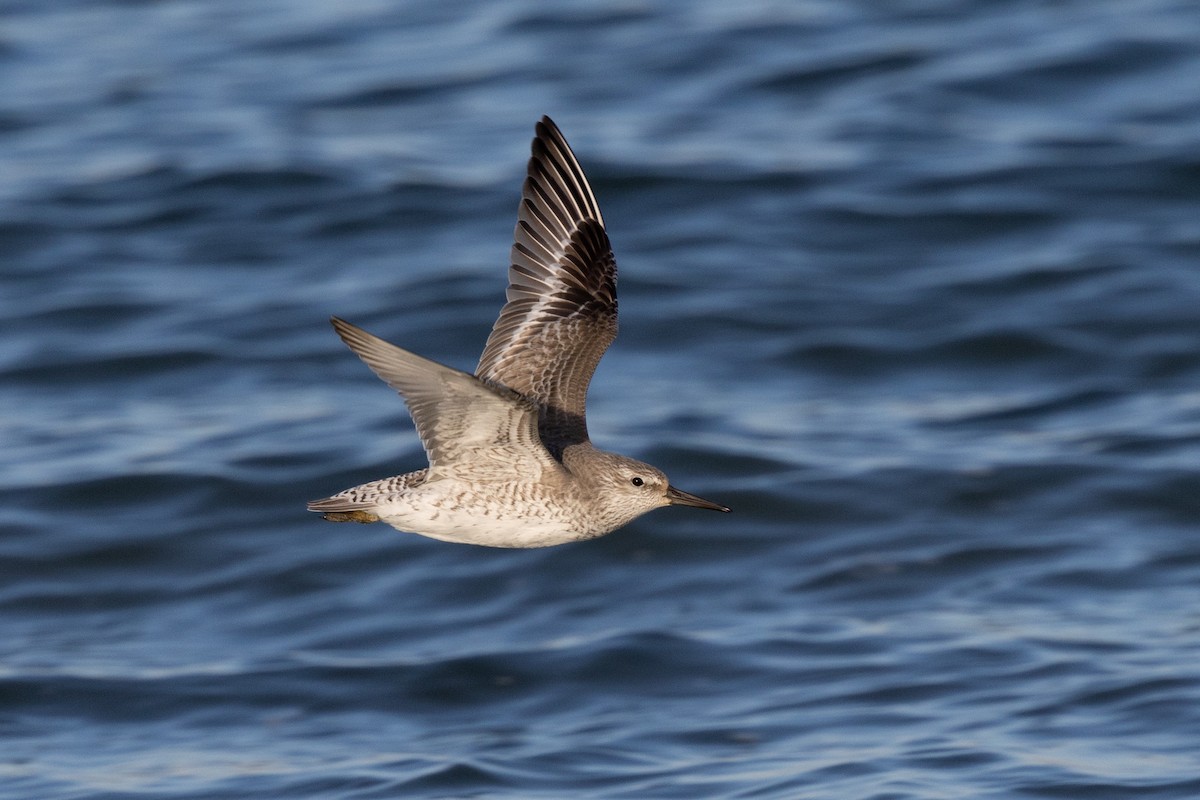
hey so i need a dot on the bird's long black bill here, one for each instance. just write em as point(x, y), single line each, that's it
point(678, 497)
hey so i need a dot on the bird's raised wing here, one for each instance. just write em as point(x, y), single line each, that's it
point(561, 313)
point(469, 429)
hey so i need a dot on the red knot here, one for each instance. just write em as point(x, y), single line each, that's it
point(510, 461)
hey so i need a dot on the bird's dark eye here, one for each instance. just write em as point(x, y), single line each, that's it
point(636, 481)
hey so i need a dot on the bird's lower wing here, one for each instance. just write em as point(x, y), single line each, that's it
point(469, 429)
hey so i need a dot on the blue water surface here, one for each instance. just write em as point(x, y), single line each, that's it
point(914, 287)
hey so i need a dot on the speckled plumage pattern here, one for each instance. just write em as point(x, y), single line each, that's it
point(510, 462)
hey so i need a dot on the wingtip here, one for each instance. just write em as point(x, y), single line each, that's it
point(345, 329)
point(547, 129)
point(361, 342)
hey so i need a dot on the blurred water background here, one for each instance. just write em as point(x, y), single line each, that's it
point(913, 286)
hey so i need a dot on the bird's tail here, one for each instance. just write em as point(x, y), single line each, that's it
point(343, 509)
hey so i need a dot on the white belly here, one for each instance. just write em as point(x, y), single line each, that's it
point(511, 517)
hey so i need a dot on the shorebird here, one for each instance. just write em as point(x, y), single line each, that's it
point(510, 461)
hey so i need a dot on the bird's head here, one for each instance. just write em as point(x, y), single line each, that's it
point(627, 488)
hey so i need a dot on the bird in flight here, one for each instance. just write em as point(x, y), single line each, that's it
point(510, 461)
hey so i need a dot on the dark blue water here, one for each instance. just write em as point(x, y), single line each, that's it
point(914, 287)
